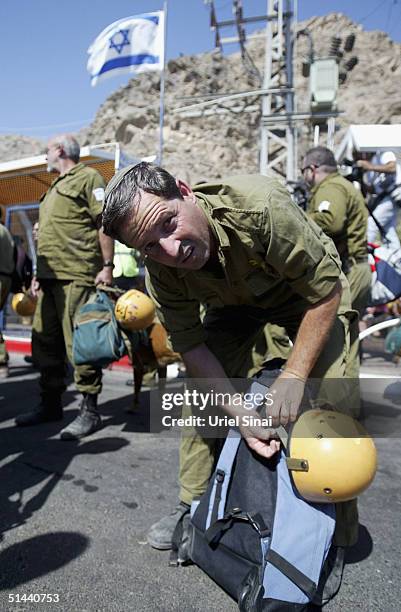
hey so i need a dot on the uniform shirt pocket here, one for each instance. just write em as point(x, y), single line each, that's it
point(261, 282)
point(68, 191)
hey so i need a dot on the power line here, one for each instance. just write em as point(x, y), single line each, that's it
point(393, 3)
point(44, 127)
point(396, 22)
point(373, 11)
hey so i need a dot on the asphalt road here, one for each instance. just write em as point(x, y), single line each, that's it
point(74, 516)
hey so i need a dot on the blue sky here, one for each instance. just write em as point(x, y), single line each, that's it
point(45, 87)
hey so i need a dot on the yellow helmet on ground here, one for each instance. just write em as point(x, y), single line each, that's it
point(23, 304)
point(134, 310)
point(331, 457)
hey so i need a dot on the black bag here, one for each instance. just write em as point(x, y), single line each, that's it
point(255, 536)
point(21, 277)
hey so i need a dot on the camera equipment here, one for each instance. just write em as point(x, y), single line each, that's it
point(299, 192)
point(351, 171)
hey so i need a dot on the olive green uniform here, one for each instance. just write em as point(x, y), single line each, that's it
point(339, 209)
point(68, 259)
point(6, 269)
point(273, 265)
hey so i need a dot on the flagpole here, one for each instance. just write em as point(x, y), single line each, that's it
point(162, 86)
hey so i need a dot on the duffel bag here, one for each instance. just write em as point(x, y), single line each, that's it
point(254, 535)
point(97, 339)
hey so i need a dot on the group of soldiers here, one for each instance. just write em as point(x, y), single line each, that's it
point(228, 262)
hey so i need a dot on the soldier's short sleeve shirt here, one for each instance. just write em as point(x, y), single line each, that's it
point(339, 209)
point(68, 245)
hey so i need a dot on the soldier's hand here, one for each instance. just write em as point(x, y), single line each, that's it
point(263, 448)
point(261, 440)
point(35, 287)
point(287, 393)
point(104, 277)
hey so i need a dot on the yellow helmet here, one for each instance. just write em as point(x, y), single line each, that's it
point(331, 457)
point(134, 310)
point(23, 304)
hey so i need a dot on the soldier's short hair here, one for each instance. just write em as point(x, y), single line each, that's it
point(70, 146)
point(124, 192)
point(322, 157)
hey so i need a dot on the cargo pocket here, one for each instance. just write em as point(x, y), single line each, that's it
point(65, 209)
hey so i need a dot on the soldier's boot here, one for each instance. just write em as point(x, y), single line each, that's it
point(4, 371)
point(49, 409)
point(87, 421)
point(160, 534)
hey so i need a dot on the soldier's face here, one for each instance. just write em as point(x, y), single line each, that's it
point(308, 174)
point(175, 232)
point(52, 156)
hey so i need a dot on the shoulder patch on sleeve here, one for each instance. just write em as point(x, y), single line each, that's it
point(99, 194)
point(325, 205)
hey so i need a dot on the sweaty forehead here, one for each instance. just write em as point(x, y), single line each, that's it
point(146, 206)
point(148, 211)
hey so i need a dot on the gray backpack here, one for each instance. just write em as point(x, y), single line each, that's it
point(254, 535)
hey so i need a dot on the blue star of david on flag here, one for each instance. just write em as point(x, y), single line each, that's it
point(134, 44)
point(119, 46)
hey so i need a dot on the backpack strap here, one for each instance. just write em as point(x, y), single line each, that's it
point(216, 530)
point(305, 584)
point(221, 477)
point(179, 554)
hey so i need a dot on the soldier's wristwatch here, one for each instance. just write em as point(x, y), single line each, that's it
point(108, 264)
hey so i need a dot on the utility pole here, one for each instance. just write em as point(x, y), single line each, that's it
point(278, 138)
point(279, 116)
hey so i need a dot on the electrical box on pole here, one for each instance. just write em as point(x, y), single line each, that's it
point(323, 84)
point(326, 74)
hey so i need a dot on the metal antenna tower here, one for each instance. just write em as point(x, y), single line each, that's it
point(278, 133)
point(279, 117)
point(278, 143)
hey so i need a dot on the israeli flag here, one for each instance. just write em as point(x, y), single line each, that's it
point(134, 44)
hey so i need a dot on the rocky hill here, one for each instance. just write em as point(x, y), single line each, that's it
point(14, 147)
point(212, 145)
